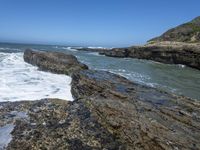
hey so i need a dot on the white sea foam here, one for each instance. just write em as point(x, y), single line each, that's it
point(69, 48)
point(92, 47)
point(22, 81)
point(94, 53)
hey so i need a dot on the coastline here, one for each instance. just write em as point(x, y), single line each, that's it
point(167, 52)
point(105, 105)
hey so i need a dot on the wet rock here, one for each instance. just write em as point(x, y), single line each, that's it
point(55, 62)
point(140, 117)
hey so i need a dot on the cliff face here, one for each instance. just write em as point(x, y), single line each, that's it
point(188, 32)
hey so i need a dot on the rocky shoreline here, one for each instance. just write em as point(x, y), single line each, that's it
point(109, 112)
point(179, 45)
point(54, 62)
point(164, 52)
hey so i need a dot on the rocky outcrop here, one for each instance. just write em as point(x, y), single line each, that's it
point(109, 112)
point(179, 45)
point(188, 32)
point(165, 52)
point(55, 62)
point(140, 117)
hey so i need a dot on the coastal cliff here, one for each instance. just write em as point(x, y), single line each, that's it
point(108, 112)
point(187, 32)
point(180, 45)
point(166, 52)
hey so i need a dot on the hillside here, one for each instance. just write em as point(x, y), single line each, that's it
point(187, 32)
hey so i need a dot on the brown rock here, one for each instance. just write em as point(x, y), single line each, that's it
point(140, 117)
point(55, 62)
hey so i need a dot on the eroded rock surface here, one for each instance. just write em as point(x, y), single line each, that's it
point(140, 117)
point(55, 124)
point(55, 62)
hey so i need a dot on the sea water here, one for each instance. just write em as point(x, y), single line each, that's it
point(22, 81)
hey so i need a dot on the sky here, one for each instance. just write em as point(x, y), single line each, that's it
point(111, 23)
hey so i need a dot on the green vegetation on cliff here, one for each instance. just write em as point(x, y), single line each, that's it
point(188, 32)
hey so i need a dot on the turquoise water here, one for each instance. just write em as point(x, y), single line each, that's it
point(172, 78)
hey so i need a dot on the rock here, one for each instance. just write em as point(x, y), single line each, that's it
point(100, 50)
point(140, 117)
point(55, 124)
point(165, 52)
point(116, 52)
point(188, 32)
point(180, 45)
point(109, 112)
point(55, 62)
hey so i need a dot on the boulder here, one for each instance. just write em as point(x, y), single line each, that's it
point(55, 62)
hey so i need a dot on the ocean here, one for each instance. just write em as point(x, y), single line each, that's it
point(22, 81)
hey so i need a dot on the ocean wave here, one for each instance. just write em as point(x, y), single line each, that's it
point(68, 48)
point(22, 81)
point(9, 50)
point(92, 47)
point(94, 53)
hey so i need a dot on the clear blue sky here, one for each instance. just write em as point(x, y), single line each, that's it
point(91, 22)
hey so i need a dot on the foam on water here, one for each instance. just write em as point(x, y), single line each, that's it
point(69, 48)
point(5, 135)
point(22, 81)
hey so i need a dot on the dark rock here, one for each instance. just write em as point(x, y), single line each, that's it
point(56, 124)
point(165, 52)
point(140, 117)
point(100, 50)
point(55, 62)
point(116, 52)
